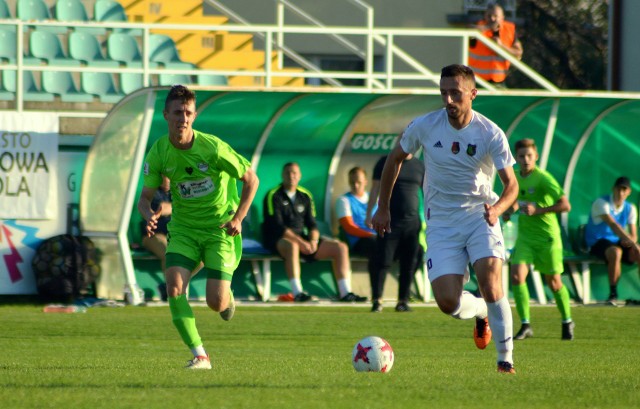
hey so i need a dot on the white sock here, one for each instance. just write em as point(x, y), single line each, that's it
point(296, 286)
point(199, 351)
point(501, 324)
point(344, 286)
point(470, 306)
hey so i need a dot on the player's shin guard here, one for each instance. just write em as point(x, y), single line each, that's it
point(501, 323)
point(521, 297)
point(470, 306)
point(184, 320)
point(563, 302)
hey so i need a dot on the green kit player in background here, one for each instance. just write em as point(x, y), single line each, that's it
point(539, 239)
point(207, 213)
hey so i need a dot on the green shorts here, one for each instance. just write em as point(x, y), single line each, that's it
point(547, 257)
point(220, 252)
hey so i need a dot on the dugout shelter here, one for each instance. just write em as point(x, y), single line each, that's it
point(586, 140)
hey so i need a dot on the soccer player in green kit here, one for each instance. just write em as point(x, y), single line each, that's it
point(207, 216)
point(539, 239)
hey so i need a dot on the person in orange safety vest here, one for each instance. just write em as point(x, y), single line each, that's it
point(485, 62)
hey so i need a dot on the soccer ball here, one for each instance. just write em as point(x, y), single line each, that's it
point(372, 354)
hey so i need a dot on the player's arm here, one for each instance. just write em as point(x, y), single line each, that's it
point(382, 219)
point(144, 207)
point(507, 198)
point(373, 198)
point(626, 239)
point(250, 184)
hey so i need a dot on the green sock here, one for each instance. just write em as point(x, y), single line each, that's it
point(563, 303)
point(521, 296)
point(184, 320)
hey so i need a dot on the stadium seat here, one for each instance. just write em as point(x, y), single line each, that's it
point(162, 50)
point(46, 46)
point(36, 10)
point(8, 46)
point(112, 11)
point(174, 79)
point(101, 85)
point(211, 79)
point(61, 83)
point(130, 82)
point(30, 90)
point(4, 10)
point(84, 47)
point(124, 48)
point(74, 11)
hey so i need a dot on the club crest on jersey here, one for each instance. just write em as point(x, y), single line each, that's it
point(300, 208)
point(455, 148)
point(189, 170)
point(203, 166)
point(471, 149)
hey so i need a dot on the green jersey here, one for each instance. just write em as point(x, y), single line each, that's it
point(203, 179)
point(541, 188)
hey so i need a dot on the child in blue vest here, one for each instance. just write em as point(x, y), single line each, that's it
point(611, 232)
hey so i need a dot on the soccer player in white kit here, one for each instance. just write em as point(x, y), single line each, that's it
point(462, 150)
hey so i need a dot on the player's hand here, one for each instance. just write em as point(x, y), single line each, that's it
point(233, 227)
point(529, 209)
point(152, 223)
point(381, 222)
point(490, 214)
point(308, 247)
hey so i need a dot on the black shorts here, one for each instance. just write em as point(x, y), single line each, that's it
point(600, 247)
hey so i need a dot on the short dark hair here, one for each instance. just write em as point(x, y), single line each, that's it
point(459, 70)
point(179, 93)
point(526, 143)
point(288, 164)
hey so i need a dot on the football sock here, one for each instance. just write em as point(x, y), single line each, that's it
point(501, 324)
point(613, 291)
point(344, 286)
point(521, 296)
point(296, 286)
point(563, 303)
point(470, 306)
point(184, 320)
point(199, 351)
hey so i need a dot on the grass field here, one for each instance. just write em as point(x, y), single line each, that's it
point(299, 357)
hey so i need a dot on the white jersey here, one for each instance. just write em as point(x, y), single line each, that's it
point(460, 164)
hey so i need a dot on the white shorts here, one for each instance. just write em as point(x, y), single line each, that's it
point(451, 248)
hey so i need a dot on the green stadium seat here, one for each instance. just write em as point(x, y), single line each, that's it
point(74, 11)
point(162, 50)
point(124, 48)
point(174, 79)
point(8, 46)
point(84, 47)
point(46, 46)
point(211, 79)
point(112, 11)
point(36, 10)
point(101, 85)
point(130, 82)
point(30, 89)
point(5, 13)
point(61, 83)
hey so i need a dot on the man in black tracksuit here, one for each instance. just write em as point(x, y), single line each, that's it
point(403, 242)
point(290, 230)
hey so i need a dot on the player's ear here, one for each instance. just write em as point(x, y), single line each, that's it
point(474, 93)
